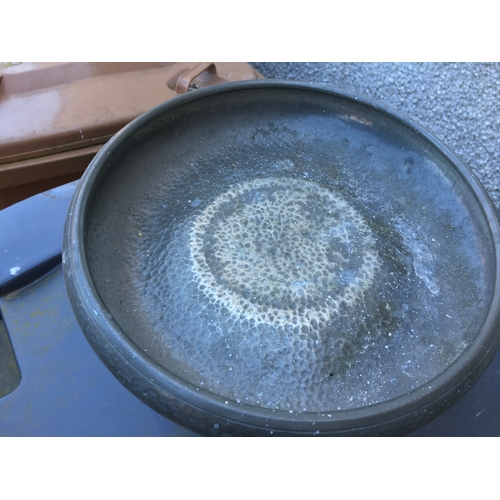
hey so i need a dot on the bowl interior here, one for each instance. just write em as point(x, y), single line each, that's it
point(290, 249)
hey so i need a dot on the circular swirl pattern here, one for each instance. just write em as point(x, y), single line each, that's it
point(282, 251)
point(272, 291)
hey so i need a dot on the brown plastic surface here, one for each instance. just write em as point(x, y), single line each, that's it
point(54, 117)
point(186, 82)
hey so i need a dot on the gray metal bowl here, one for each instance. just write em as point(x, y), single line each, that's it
point(285, 258)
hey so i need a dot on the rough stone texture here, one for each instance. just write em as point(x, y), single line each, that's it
point(458, 102)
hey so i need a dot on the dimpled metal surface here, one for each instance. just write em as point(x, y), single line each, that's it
point(312, 257)
point(275, 279)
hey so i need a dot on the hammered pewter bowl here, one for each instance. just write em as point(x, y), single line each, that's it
point(281, 258)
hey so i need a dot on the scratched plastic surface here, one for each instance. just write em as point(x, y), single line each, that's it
point(317, 261)
point(65, 390)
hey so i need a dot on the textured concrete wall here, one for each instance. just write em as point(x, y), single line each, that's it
point(458, 102)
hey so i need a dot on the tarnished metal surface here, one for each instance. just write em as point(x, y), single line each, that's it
point(173, 311)
point(459, 102)
point(78, 396)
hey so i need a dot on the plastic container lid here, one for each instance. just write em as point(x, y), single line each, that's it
point(54, 117)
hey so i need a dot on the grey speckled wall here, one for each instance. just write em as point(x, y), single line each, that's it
point(458, 102)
